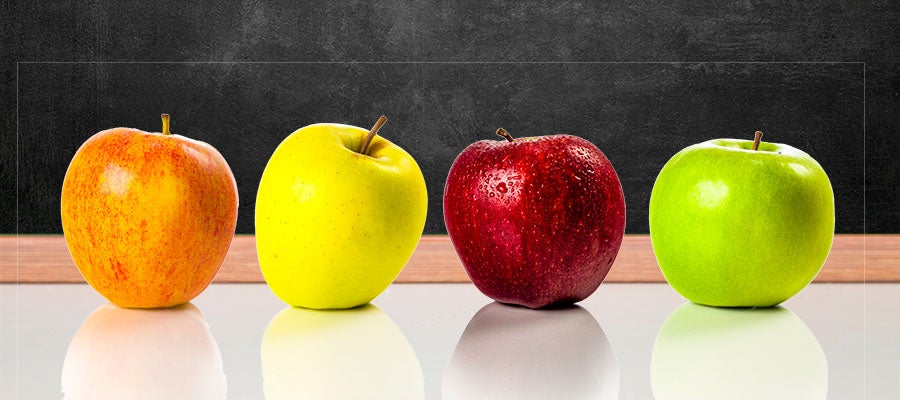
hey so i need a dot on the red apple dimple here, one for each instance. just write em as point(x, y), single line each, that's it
point(535, 221)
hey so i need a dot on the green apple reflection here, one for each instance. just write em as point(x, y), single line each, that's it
point(357, 353)
point(511, 352)
point(719, 353)
point(121, 353)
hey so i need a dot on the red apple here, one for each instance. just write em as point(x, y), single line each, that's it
point(148, 217)
point(536, 221)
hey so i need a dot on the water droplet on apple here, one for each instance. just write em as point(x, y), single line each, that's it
point(501, 187)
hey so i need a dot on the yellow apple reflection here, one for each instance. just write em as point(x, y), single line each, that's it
point(358, 353)
point(121, 353)
point(511, 352)
point(720, 353)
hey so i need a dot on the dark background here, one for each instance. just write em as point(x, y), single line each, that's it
point(641, 80)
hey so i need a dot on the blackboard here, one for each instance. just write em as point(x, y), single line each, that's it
point(641, 81)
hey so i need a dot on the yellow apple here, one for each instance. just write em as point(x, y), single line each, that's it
point(338, 214)
point(346, 354)
point(148, 217)
point(123, 353)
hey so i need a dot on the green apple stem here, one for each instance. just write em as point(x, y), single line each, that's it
point(365, 146)
point(165, 119)
point(756, 140)
point(505, 134)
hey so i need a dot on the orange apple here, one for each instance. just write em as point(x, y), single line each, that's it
point(148, 217)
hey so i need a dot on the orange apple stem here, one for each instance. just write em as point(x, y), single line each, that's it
point(756, 140)
point(504, 133)
point(365, 146)
point(165, 119)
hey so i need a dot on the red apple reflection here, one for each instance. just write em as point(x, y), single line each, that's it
point(516, 353)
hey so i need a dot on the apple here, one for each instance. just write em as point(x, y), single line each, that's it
point(121, 353)
point(338, 214)
point(736, 223)
point(721, 353)
point(148, 217)
point(536, 221)
point(516, 353)
point(338, 354)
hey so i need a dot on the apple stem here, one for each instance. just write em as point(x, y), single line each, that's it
point(504, 133)
point(365, 146)
point(756, 140)
point(165, 120)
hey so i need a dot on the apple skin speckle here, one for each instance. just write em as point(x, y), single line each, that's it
point(148, 218)
point(536, 222)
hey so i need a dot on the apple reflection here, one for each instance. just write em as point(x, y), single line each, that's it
point(358, 353)
point(121, 353)
point(719, 353)
point(511, 352)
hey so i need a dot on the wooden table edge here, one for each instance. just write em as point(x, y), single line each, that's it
point(853, 258)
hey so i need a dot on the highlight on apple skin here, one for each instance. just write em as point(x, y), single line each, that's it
point(339, 212)
point(736, 223)
point(148, 217)
point(536, 221)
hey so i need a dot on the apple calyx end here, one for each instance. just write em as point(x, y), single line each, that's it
point(372, 132)
point(165, 124)
point(756, 137)
point(502, 132)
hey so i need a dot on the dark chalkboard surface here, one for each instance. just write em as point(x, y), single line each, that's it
point(639, 82)
point(638, 114)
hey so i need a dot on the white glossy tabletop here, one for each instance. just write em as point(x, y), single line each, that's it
point(627, 341)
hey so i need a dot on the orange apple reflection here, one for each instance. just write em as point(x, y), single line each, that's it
point(121, 353)
point(358, 353)
point(516, 353)
point(724, 353)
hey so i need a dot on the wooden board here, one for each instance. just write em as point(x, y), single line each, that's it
point(853, 258)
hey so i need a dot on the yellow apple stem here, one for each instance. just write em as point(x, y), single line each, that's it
point(504, 133)
point(365, 146)
point(756, 140)
point(165, 119)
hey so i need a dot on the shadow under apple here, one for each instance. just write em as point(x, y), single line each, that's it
point(121, 353)
point(725, 353)
point(509, 352)
point(357, 353)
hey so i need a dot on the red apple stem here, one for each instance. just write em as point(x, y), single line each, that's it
point(504, 133)
point(165, 120)
point(756, 140)
point(365, 146)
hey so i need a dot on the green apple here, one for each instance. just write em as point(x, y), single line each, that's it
point(338, 214)
point(720, 353)
point(736, 223)
point(344, 354)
